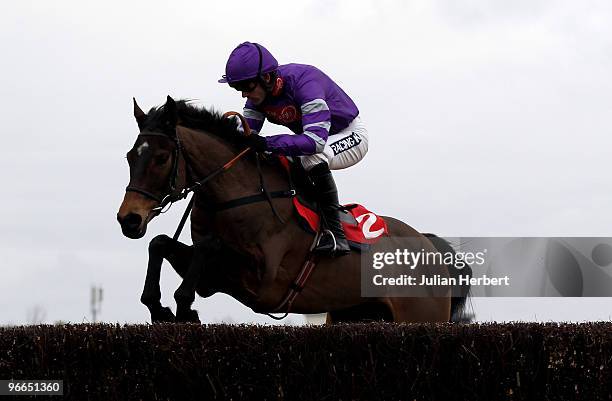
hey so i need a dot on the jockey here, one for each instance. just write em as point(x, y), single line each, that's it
point(328, 132)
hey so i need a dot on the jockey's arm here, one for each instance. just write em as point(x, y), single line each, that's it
point(255, 119)
point(316, 122)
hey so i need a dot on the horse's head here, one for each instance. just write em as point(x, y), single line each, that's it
point(155, 163)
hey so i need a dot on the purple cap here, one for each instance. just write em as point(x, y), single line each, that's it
point(244, 61)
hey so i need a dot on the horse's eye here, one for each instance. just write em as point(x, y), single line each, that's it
point(161, 159)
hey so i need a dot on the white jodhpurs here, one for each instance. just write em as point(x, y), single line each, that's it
point(343, 149)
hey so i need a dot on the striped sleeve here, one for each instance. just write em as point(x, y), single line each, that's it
point(254, 118)
point(316, 123)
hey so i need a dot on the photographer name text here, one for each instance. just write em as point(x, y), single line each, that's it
point(439, 280)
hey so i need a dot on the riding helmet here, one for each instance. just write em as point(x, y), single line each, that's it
point(247, 61)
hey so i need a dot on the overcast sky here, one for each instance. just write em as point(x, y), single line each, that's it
point(485, 118)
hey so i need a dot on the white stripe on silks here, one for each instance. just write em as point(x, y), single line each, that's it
point(313, 106)
point(326, 125)
point(253, 114)
point(319, 142)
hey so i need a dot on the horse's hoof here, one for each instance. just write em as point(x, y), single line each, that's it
point(188, 316)
point(163, 314)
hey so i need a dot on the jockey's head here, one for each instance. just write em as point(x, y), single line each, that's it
point(251, 69)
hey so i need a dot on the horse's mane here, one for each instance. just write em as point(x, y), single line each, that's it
point(198, 118)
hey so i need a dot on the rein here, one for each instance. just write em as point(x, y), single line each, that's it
point(185, 192)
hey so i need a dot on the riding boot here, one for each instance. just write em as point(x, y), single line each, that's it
point(332, 241)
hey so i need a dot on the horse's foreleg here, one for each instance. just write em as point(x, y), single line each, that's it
point(179, 255)
point(185, 293)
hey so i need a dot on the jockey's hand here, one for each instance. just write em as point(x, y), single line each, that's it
point(256, 142)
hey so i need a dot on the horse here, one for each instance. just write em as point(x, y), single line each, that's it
point(253, 250)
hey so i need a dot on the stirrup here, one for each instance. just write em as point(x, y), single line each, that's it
point(329, 233)
point(330, 251)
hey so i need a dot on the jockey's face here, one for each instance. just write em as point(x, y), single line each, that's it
point(256, 95)
point(253, 89)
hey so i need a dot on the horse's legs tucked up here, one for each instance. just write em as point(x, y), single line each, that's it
point(179, 255)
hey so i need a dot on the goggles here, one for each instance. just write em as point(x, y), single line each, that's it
point(244, 86)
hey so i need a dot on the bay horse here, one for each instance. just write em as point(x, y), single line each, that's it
point(251, 251)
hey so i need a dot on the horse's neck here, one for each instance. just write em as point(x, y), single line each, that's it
point(206, 153)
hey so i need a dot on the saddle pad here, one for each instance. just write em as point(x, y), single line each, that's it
point(360, 225)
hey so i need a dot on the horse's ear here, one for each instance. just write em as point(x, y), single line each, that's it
point(139, 114)
point(171, 112)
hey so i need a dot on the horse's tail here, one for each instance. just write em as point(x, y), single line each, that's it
point(460, 293)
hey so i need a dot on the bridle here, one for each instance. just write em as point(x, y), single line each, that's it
point(172, 195)
point(175, 195)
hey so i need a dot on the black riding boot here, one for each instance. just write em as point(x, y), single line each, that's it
point(332, 241)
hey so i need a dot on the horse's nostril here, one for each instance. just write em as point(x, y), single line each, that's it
point(131, 221)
